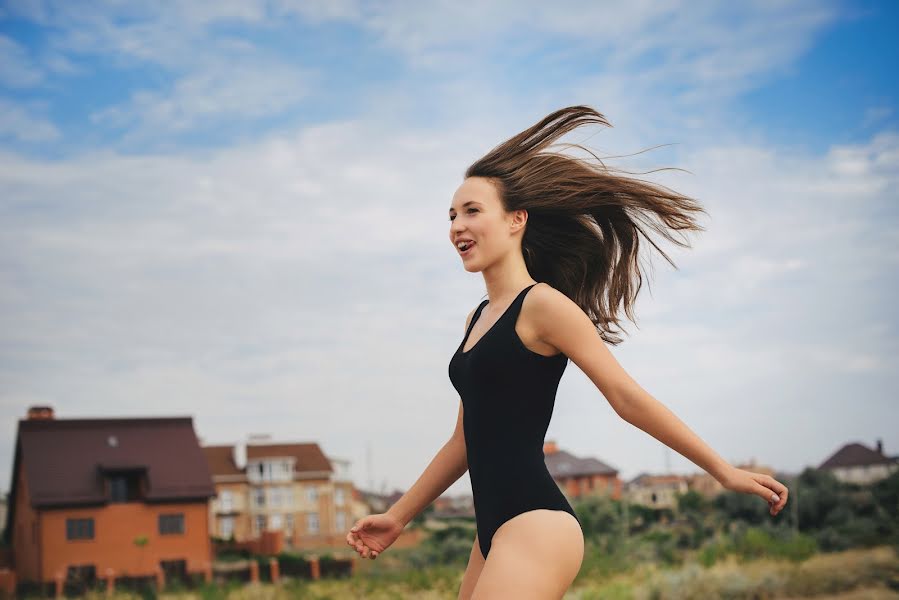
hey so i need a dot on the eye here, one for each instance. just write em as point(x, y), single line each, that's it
point(469, 210)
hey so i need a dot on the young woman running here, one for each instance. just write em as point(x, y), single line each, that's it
point(556, 239)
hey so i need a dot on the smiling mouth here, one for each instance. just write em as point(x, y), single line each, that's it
point(465, 247)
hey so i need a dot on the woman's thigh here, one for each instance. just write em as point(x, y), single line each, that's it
point(472, 571)
point(533, 556)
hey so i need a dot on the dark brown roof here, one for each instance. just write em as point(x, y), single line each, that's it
point(64, 458)
point(308, 457)
point(221, 460)
point(855, 455)
point(564, 464)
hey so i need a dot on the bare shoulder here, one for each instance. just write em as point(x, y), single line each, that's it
point(541, 311)
point(552, 315)
point(546, 302)
point(559, 321)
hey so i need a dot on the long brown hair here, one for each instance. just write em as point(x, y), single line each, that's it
point(584, 220)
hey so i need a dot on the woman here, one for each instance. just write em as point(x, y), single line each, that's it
point(556, 239)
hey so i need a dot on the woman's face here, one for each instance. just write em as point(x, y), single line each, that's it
point(477, 215)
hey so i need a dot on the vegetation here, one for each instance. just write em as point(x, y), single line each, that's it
point(838, 540)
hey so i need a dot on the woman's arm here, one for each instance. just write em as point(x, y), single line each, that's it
point(445, 468)
point(560, 322)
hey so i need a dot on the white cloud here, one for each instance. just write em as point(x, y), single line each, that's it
point(210, 96)
point(17, 70)
point(19, 123)
point(304, 279)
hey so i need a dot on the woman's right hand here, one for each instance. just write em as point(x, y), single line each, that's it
point(371, 535)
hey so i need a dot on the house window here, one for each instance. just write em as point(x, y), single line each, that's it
point(312, 494)
point(275, 496)
point(174, 570)
point(288, 524)
point(270, 470)
point(275, 522)
point(226, 500)
point(171, 524)
point(340, 521)
point(312, 522)
point(288, 497)
point(338, 497)
point(226, 527)
point(79, 529)
point(260, 523)
point(79, 579)
point(259, 496)
point(124, 487)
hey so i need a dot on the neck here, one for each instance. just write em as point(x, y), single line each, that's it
point(506, 277)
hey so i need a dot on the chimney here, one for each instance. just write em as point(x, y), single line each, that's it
point(38, 413)
point(879, 446)
point(549, 447)
point(239, 454)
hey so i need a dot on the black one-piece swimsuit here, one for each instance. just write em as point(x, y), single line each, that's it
point(508, 392)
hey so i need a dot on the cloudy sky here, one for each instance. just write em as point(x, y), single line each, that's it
point(237, 211)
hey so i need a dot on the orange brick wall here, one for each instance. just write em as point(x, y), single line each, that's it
point(115, 528)
point(24, 535)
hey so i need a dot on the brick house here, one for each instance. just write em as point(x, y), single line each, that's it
point(579, 477)
point(99, 498)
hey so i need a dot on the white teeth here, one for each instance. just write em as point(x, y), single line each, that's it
point(464, 243)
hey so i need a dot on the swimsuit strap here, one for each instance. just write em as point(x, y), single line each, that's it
point(474, 317)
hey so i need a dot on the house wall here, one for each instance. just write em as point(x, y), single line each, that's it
point(864, 474)
point(240, 505)
point(25, 532)
point(333, 505)
point(592, 485)
point(115, 528)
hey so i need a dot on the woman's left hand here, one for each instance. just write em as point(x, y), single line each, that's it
point(774, 492)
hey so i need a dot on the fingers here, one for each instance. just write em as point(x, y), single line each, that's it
point(774, 492)
point(780, 491)
point(357, 544)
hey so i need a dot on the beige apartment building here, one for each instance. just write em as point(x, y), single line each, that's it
point(294, 488)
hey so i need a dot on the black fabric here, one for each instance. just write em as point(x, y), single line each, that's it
point(508, 392)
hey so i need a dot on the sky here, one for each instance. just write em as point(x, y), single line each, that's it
point(237, 211)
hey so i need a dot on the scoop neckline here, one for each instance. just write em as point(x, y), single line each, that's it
point(462, 350)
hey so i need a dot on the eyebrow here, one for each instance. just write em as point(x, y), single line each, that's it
point(466, 204)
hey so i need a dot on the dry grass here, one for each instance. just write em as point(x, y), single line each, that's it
point(851, 575)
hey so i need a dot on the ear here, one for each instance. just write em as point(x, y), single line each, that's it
point(519, 219)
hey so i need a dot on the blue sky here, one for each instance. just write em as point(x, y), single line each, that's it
point(237, 211)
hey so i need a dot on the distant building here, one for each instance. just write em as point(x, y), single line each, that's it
point(293, 488)
point(657, 491)
point(856, 463)
point(580, 477)
point(92, 498)
point(447, 507)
